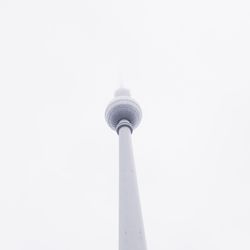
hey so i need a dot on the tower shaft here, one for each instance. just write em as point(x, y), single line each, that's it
point(131, 229)
point(124, 114)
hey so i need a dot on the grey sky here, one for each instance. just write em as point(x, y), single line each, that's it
point(187, 64)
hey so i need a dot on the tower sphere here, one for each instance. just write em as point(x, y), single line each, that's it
point(121, 108)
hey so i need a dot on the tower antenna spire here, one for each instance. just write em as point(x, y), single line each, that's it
point(122, 85)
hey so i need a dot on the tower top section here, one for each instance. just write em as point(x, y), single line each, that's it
point(123, 111)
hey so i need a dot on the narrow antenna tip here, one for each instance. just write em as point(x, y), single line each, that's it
point(122, 83)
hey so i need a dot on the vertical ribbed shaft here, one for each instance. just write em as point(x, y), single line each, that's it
point(131, 230)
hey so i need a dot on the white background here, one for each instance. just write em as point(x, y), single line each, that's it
point(186, 62)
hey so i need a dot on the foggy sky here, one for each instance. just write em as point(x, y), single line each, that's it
point(186, 63)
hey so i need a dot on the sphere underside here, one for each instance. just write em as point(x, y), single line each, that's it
point(123, 109)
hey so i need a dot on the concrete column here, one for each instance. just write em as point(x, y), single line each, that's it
point(131, 229)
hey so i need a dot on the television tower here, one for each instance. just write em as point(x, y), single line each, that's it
point(123, 115)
